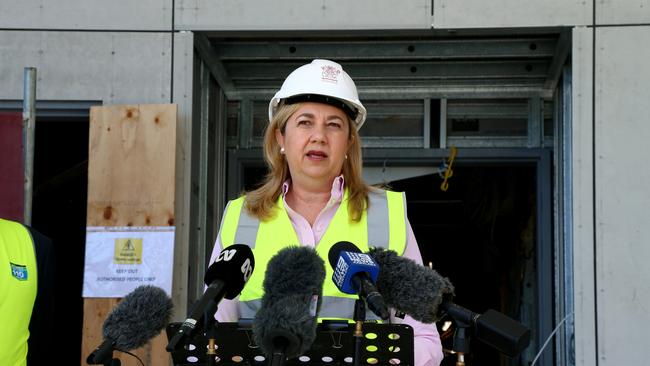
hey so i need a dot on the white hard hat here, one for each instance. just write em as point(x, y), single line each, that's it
point(321, 81)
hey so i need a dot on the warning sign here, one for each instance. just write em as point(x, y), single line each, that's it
point(121, 258)
point(128, 251)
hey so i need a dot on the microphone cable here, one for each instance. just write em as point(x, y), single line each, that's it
point(548, 339)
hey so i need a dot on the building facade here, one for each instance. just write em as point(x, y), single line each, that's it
point(219, 61)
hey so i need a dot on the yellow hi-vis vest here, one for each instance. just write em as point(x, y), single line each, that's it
point(17, 291)
point(382, 225)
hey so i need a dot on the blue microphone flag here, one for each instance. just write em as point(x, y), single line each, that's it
point(349, 264)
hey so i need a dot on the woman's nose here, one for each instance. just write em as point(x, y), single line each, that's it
point(318, 133)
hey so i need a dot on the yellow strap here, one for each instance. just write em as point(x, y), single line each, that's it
point(448, 172)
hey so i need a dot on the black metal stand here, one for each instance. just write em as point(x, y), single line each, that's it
point(209, 324)
point(334, 345)
point(357, 335)
point(461, 342)
point(279, 358)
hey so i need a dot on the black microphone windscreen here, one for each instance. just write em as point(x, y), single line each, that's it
point(410, 287)
point(293, 288)
point(503, 333)
point(139, 317)
point(233, 267)
point(336, 249)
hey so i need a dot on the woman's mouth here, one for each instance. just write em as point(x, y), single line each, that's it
point(316, 155)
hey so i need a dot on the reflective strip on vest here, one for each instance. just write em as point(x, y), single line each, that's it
point(378, 230)
point(331, 308)
point(383, 225)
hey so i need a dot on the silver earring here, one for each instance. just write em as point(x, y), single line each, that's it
point(282, 150)
point(346, 156)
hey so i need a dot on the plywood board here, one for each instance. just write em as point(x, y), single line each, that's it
point(131, 177)
point(131, 165)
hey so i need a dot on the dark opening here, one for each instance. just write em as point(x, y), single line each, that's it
point(59, 212)
point(480, 234)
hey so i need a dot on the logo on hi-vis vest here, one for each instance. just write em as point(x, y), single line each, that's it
point(19, 271)
point(128, 251)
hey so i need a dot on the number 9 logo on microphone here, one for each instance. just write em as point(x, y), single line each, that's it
point(246, 269)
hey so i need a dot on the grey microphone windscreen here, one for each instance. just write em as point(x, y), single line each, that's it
point(139, 317)
point(410, 287)
point(293, 287)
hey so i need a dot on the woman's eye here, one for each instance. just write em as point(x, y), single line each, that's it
point(303, 122)
point(335, 125)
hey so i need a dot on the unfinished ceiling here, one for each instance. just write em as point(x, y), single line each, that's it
point(450, 63)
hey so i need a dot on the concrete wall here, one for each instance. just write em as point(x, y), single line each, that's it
point(622, 12)
point(156, 15)
point(116, 68)
point(582, 179)
point(86, 14)
point(622, 178)
point(510, 13)
point(311, 15)
point(610, 223)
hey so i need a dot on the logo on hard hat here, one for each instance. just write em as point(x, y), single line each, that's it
point(330, 74)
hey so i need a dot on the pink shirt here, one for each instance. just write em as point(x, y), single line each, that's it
point(428, 349)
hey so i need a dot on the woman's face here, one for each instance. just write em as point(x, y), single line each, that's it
point(315, 141)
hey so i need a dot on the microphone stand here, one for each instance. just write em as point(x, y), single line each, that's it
point(461, 342)
point(279, 358)
point(209, 324)
point(357, 335)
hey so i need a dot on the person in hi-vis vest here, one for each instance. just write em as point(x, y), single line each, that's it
point(26, 277)
point(314, 195)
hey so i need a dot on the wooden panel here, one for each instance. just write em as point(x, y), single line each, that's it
point(131, 165)
point(130, 183)
point(11, 165)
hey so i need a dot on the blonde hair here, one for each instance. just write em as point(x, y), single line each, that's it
point(261, 201)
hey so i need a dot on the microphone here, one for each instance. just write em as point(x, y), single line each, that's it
point(140, 316)
point(493, 328)
point(285, 325)
point(426, 296)
point(225, 278)
point(409, 287)
point(355, 272)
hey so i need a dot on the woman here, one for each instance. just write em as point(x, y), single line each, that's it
point(314, 195)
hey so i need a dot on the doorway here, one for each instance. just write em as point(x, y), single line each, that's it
point(480, 233)
point(59, 212)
